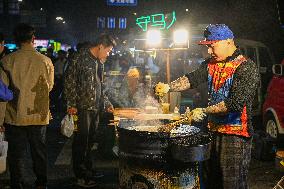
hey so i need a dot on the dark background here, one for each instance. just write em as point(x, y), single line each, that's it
point(261, 20)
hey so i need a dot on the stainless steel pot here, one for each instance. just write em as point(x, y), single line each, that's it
point(192, 148)
point(161, 146)
point(191, 153)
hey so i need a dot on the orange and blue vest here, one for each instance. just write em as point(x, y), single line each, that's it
point(220, 80)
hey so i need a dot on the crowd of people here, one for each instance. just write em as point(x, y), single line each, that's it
point(29, 79)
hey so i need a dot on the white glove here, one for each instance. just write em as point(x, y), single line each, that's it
point(198, 114)
point(161, 89)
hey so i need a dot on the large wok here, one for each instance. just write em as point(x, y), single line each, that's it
point(141, 140)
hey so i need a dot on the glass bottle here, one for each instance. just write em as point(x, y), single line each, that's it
point(176, 114)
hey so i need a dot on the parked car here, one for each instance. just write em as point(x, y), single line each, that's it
point(273, 107)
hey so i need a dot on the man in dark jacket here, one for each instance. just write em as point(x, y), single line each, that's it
point(83, 89)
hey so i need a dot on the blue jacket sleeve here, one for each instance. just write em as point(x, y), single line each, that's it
point(5, 93)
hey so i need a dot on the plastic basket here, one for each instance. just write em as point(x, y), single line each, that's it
point(3, 155)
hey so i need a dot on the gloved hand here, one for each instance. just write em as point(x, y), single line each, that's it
point(198, 114)
point(161, 89)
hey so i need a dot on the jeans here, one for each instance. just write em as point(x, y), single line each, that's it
point(19, 137)
point(83, 141)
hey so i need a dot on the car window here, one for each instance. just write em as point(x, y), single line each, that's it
point(264, 57)
point(265, 62)
point(243, 51)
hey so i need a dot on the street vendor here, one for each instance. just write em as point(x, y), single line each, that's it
point(232, 82)
point(132, 91)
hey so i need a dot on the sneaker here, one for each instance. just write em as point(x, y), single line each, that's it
point(86, 183)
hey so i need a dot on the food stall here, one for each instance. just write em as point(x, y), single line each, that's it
point(157, 152)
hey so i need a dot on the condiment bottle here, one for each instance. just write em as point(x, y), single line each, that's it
point(176, 114)
point(187, 110)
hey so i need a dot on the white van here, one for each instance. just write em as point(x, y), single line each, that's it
point(262, 56)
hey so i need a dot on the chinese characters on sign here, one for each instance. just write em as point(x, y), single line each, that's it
point(122, 23)
point(110, 22)
point(101, 22)
point(160, 21)
point(122, 2)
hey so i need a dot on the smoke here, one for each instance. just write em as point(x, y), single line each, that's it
point(129, 92)
point(124, 94)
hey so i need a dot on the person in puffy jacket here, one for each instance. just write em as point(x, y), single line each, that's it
point(83, 90)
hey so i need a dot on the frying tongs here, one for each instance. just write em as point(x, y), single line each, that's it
point(168, 127)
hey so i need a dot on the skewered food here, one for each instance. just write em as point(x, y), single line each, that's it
point(126, 112)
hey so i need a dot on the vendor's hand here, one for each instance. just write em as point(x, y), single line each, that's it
point(110, 109)
point(72, 111)
point(198, 114)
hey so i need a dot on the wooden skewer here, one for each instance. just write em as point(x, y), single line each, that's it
point(170, 126)
point(114, 120)
point(112, 124)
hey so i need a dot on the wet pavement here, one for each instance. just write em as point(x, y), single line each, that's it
point(262, 175)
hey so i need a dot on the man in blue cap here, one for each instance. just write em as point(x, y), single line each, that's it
point(232, 82)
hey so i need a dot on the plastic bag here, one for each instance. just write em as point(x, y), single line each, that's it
point(2, 133)
point(67, 125)
point(3, 155)
point(2, 136)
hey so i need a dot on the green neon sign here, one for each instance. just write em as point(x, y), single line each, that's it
point(160, 21)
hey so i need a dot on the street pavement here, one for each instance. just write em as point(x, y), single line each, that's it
point(262, 175)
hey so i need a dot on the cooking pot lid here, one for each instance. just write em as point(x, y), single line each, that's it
point(184, 130)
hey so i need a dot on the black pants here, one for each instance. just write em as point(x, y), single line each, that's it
point(19, 137)
point(84, 139)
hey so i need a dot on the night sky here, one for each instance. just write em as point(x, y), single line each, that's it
point(250, 19)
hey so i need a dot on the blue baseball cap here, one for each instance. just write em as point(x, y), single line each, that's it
point(216, 32)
